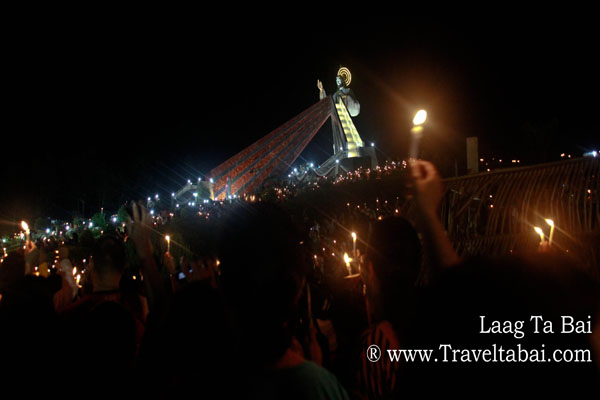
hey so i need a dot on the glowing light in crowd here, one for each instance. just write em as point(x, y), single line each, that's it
point(416, 133)
point(168, 239)
point(540, 232)
point(25, 227)
point(420, 118)
point(353, 243)
point(551, 223)
point(347, 261)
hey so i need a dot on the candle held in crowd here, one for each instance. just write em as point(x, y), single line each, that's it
point(25, 227)
point(539, 231)
point(416, 133)
point(551, 223)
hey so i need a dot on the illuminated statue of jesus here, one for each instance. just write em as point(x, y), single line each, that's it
point(346, 105)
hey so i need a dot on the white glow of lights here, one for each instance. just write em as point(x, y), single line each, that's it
point(420, 118)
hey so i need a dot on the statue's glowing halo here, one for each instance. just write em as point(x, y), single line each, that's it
point(345, 74)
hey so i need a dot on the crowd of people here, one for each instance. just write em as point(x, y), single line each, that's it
point(264, 305)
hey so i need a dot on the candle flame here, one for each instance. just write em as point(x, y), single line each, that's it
point(549, 222)
point(25, 226)
point(420, 117)
point(168, 238)
point(353, 235)
point(347, 259)
point(540, 232)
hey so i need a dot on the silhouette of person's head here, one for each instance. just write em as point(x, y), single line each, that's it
point(107, 263)
point(263, 270)
point(393, 260)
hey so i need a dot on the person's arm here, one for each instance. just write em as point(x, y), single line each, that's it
point(32, 254)
point(69, 289)
point(140, 229)
point(428, 192)
point(169, 263)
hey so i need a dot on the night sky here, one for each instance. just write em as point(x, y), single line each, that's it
point(98, 116)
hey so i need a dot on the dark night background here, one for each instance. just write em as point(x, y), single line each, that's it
point(94, 116)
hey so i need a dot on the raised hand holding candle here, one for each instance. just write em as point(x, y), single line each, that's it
point(416, 133)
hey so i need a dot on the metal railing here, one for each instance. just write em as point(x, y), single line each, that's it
point(495, 212)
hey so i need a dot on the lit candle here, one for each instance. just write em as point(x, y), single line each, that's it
point(551, 223)
point(347, 261)
point(539, 231)
point(168, 239)
point(25, 227)
point(354, 244)
point(416, 133)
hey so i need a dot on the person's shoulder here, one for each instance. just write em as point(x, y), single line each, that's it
point(312, 368)
point(323, 383)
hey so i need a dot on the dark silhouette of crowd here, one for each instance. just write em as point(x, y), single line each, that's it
point(258, 309)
